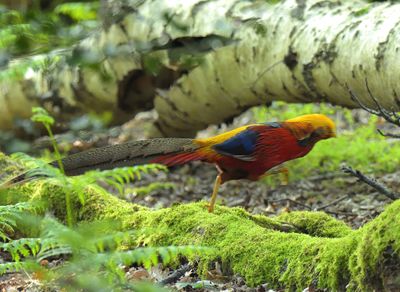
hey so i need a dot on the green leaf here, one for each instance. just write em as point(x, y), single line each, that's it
point(40, 115)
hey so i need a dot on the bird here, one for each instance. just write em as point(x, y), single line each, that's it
point(248, 152)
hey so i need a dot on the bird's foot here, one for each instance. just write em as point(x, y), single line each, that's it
point(284, 176)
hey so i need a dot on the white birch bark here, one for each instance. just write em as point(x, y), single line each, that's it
point(324, 44)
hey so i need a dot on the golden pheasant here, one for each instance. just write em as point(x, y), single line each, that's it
point(248, 152)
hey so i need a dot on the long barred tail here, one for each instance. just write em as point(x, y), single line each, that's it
point(132, 153)
point(167, 151)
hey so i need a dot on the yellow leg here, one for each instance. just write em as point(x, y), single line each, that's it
point(214, 194)
point(285, 172)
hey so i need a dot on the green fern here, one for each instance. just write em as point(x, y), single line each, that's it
point(36, 167)
point(9, 215)
point(12, 267)
point(21, 248)
point(145, 190)
point(118, 177)
point(94, 249)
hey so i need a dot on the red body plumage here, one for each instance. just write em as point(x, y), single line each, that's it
point(250, 151)
point(275, 146)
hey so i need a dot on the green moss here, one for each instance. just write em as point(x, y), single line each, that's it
point(259, 253)
point(145, 190)
point(377, 257)
point(97, 205)
point(322, 253)
point(248, 245)
point(8, 167)
point(316, 223)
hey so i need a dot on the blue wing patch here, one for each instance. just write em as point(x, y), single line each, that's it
point(240, 146)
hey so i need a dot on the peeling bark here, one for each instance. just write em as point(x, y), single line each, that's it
point(201, 62)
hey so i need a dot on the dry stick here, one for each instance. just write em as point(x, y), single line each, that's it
point(176, 275)
point(331, 203)
point(371, 182)
point(326, 176)
point(291, 201)
point(389, 134)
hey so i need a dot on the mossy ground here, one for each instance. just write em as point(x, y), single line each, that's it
point(319, 251)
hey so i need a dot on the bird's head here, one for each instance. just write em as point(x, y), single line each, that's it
point(315, 126)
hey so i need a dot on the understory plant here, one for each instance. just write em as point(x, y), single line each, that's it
point(94, 255)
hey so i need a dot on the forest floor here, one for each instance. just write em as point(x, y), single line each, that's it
point(336, 193)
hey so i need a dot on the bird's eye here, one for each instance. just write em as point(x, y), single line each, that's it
point(324, 132)
point(320, 131)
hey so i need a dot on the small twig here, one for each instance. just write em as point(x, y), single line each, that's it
point(334, 202)
point(371, 182)
point(391, 117)
point(176, 275)
point(389, 134)
point(326, 176)
point(355, 98)
point(337, 213)
point(292, 201)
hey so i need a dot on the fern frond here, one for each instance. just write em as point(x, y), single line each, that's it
point(149, 256)
point(9, 214)
point(36, 167)
point(20, 248)
point(11, 267)
point(116, 178)
point(143, 191)
point(125, 174)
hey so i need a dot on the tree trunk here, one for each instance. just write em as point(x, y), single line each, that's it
point(295, 250)
point(202, 62)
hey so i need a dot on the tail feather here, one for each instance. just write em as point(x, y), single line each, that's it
point(177, 159)
point(128, 154)
point(167, 151)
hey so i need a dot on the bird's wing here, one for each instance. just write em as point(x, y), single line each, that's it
point(240, 146)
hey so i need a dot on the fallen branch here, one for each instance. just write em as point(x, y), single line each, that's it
point(371, 182)
point(176, 275)
point(334, 202)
